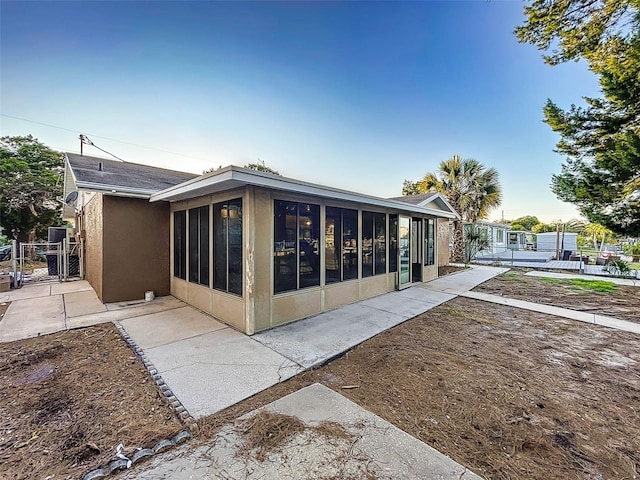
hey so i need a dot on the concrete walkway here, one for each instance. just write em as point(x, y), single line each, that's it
point(618, 281)
point(585, 317)
point(47, 308)
point(377, 449)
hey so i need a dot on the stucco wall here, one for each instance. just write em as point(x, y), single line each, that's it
point(135, 249)
point(443, 234)
point(92, 226)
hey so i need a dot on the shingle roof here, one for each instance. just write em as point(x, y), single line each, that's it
point(414, 199)
point(130, 176)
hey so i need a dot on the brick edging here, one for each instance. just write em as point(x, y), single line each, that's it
point(184, 416)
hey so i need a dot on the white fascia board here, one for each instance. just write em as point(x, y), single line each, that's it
point(438, 197)
point(115, 190)
point(237, 176)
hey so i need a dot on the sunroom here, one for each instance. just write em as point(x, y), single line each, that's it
point(257, 250)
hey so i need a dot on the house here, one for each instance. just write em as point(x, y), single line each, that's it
point(444, 229)
point(126, 238)
point(257, 250)
point(495, 233)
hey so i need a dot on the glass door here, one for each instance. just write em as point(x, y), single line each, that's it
point(404, 250)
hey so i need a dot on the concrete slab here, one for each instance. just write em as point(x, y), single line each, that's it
point(378, 449)
point(557, 311)
point(409, 302)
point(30, 291)
point(82, 303)
point(315, 340)
point(69, 287)
point(32, 317)
point(463, 281)
point(216, 370)
point(169, 326)
point(137, 310)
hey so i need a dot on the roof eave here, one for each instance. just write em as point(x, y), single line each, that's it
point(115, 190)
point(241, 176)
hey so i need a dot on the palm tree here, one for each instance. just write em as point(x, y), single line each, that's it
point(472, 190)
point(595, 231)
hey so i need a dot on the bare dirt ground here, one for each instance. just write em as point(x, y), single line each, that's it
point(594, 296)
point(447, 269)
point(509, 394)
point(68, 399)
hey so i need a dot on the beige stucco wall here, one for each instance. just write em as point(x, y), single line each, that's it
point(135, 249)
point(258, 308)
point(92, 220)
point(443, 234)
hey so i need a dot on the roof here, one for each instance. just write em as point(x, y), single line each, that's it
point(489, 224)
point(123, 178)
point(424, 199)
point(418, 199)
point(231, 177)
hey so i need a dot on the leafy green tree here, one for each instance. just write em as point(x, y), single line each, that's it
point(601, 140)
point(411, 188)
point(30, 184)
point(524, 223)
point(595, 232)
point(543, 228)
point(472, 190)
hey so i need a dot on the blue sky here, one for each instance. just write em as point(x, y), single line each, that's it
point(353, 95)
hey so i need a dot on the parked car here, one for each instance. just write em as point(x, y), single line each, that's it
point(5, 253)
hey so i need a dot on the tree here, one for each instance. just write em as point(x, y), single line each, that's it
point(30, 184)
point(471, 189)
point(596, 231)
point(601, 140)
point(524, 223)
point(410, 188)
point(543, 228)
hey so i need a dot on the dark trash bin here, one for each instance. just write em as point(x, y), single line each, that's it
point(52, 263)
point(566, 254)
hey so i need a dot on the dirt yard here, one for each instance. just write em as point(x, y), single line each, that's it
point(508, 393)
point(68, 399)
point(594, 296)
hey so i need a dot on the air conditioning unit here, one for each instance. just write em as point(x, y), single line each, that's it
point(58, 234)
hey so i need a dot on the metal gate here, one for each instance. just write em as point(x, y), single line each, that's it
point(47, 261)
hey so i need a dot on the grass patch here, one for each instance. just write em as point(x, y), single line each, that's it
point(595, 285)
point(553, 280)
point(601, 286)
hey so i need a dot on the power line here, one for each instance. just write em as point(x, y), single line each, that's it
point(84, 140)
point(104, 138)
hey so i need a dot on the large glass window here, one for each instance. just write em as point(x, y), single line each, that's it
point(180, 244)
point(199, 245)
point(341, 244)
point(374, 244)
point(227, 248)
point(296, 258)
point(499, 235)
point(430, 240)
point(333, 245)
point(393, 243)
point(349, 244)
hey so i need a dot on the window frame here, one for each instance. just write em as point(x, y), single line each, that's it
point(180, 244)
point(198, 271)
point(222, 246)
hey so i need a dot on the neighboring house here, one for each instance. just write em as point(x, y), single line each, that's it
point(253, 249)
point(126, 238)
point(495, 233)
point(445, 229)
